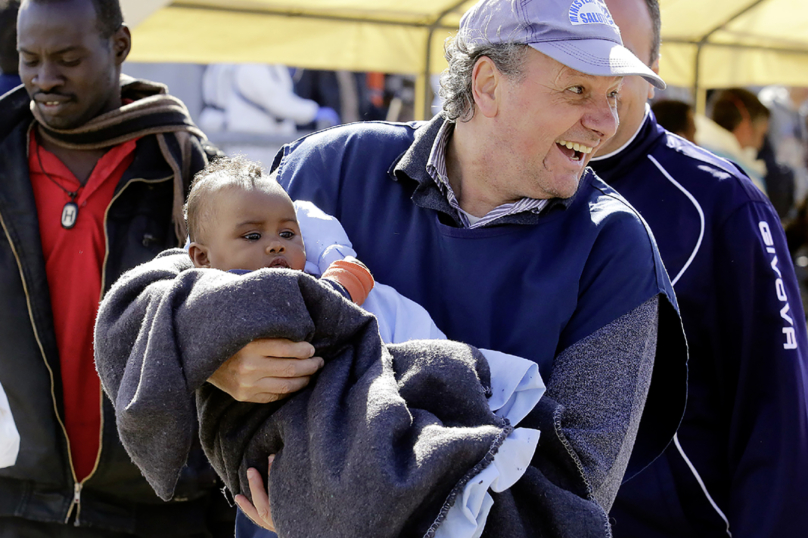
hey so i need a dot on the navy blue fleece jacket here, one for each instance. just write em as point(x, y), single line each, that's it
point(739, 463)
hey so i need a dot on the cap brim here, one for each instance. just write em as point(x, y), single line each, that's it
point(598, 57)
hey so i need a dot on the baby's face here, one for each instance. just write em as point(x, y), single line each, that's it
point(253, 229)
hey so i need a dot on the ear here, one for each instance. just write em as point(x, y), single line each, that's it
point(121, 43)
point(199, 254)
point(485, 83)
point(655, 68)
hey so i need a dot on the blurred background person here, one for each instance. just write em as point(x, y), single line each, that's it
point(677, 117)
point(337, 90)
point(741, 113)
point(9, 57)
point(788, 132)
point(257, 99)
point(736, 130)
point(780, 182)
point(357, 96)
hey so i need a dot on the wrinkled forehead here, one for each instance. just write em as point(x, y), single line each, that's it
point(562, 73)
point(608, 80)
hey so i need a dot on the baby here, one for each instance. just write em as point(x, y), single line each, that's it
point(241, 220)
point(411, 434)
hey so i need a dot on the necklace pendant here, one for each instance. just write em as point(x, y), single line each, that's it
point(70, 212)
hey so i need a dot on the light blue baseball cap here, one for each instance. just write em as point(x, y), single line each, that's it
point(580, 34)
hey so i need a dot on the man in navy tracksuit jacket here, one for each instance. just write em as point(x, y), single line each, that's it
point(739, 463)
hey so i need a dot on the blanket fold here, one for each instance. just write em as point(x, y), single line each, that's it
point(378, 445)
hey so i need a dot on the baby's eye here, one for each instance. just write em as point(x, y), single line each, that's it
point(252, 236)
point(287, 234)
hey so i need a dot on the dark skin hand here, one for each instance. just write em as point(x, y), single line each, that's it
point(265, 371)
point(257, 374)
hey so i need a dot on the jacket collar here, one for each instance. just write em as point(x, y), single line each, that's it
point(412, 165)
point(626, 159)
point(13, 111)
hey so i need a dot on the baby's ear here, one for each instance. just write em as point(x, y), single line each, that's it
point(199, 255)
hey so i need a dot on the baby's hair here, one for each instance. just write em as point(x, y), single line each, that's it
point(224, 172)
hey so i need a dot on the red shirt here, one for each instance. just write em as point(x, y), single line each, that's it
point(74, 260)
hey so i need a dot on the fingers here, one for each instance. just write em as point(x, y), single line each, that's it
point(289, 368)
point(251, 369)
point(280, 347)
point(267, 370)
point(260, 512)
point(260, 494)
point(256, 360)
point(263, 367)
point(271, 389)
point(248, 509)
point(264, 379)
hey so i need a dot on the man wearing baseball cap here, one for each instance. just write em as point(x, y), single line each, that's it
point(488, 217)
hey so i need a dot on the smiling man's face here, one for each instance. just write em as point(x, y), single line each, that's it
point(69, 70)
point(551, 121)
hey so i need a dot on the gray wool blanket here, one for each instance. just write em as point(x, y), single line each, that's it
point(378, 445)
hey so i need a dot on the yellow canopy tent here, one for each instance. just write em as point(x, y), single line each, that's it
point(706, 43)
point(391, 36)
point(722, 43)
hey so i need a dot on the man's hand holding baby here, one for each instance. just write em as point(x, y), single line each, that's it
point(267, 370)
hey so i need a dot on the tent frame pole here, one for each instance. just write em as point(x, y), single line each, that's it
point(425, 110)
point(699, 93)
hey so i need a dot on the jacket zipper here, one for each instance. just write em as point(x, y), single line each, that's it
point(76, 503)
point(77, 486)
point(42, 352)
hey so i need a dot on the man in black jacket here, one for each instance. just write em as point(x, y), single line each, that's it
point(93, 176)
